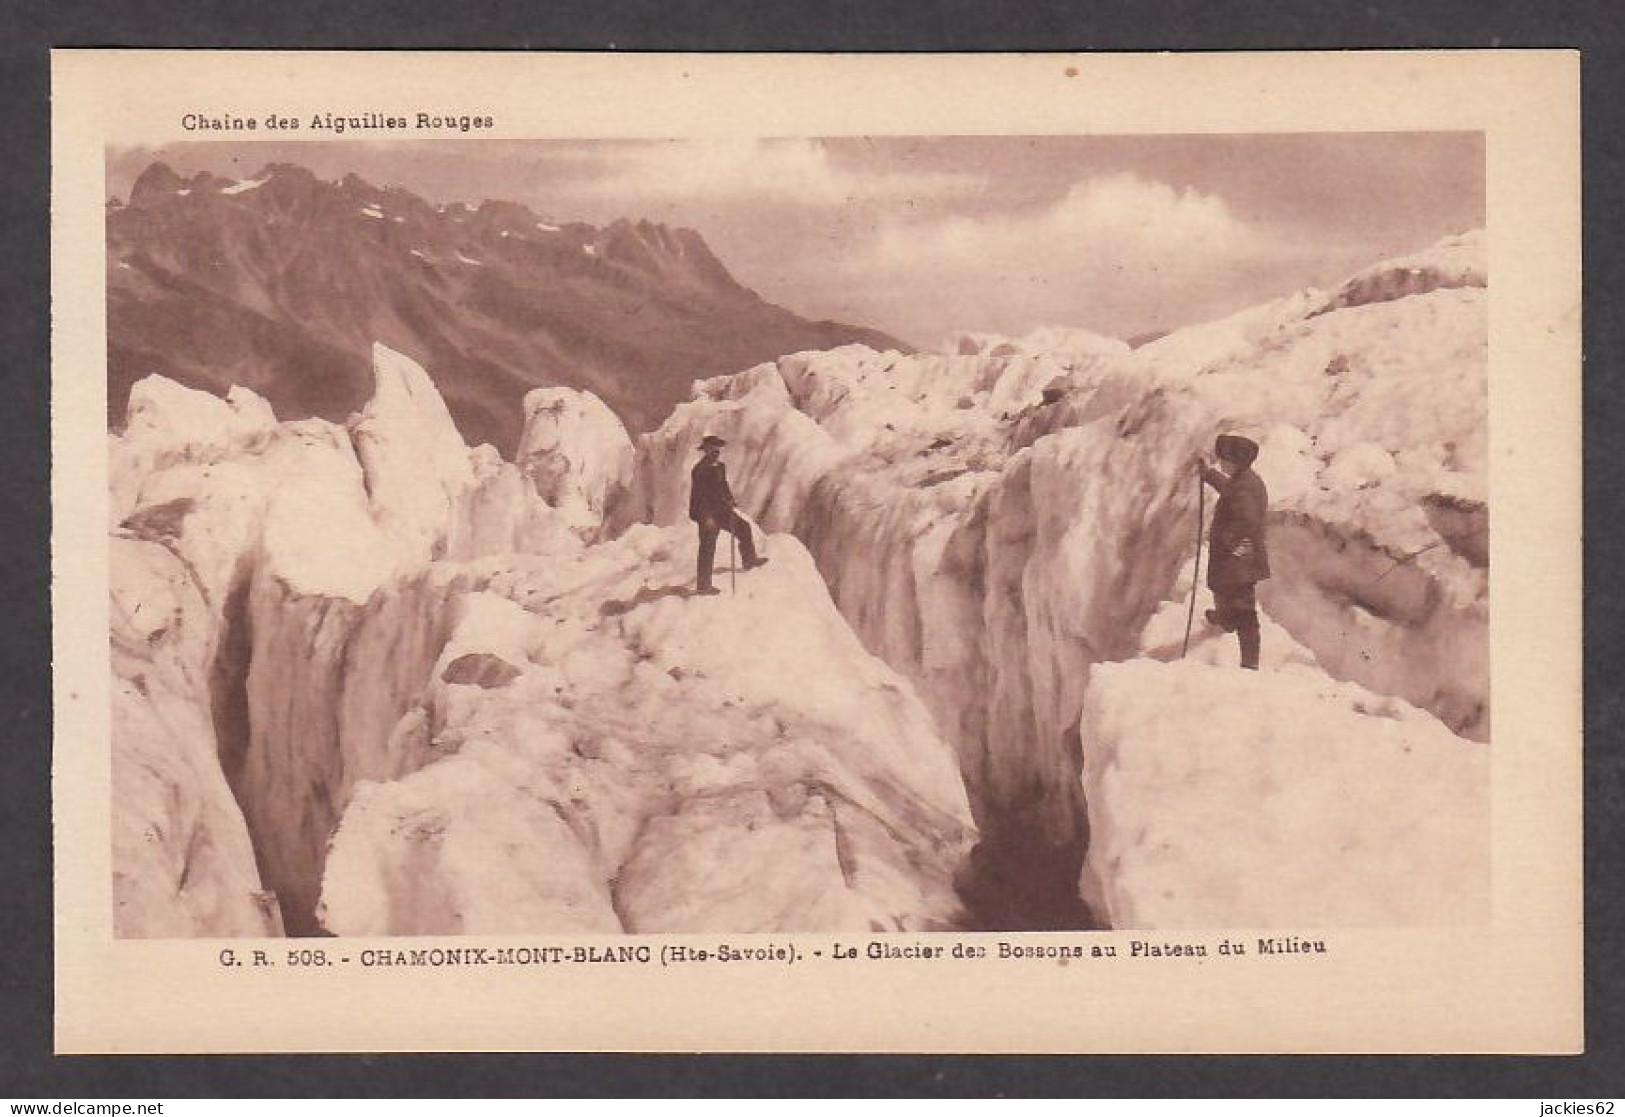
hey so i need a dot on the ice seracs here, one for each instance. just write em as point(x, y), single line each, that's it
point(575, 453)
point(373, 681)
point(1374, 420)
point(415, 462)
point(378, 624)
point(979, 553)
point(166, 424)
point(1456, 261)
point(647, 767)
point(995, 520)
point(309, 562)
point(183, 863)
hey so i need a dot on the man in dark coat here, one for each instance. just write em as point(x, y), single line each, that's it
point(1238, 558)
point(711, 505)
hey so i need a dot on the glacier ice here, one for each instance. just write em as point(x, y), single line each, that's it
point(1278, 799)
point(371, 680)
point(362, 603)
point(995, 545)
point(658, 762)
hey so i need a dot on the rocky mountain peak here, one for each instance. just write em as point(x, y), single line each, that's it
point(282, 282)
point(157, 181)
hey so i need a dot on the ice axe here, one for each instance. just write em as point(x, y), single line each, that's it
point(1196, 566)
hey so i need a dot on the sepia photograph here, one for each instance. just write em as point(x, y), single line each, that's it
point(1106, 534)
point(752, 558)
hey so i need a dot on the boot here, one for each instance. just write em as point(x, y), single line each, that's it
point(706, 591)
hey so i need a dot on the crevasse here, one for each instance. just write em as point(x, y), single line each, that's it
point(995, 542)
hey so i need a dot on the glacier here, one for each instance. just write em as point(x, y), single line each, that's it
point(995, 541)
point(332, 610)
point(653, 761)
point(370, 680)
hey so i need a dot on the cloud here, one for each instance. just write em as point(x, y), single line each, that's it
point(1118, 253)
point(1124, 219)
point(795, 171)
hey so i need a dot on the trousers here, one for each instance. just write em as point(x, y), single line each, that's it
point(1237, 609)
point(709, 528)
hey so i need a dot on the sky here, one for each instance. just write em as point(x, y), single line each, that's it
point(920, 237)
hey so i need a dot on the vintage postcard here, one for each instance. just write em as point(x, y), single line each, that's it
point(884, 553)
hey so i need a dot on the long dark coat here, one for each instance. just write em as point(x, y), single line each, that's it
point(1238, 518)
point(709, 497)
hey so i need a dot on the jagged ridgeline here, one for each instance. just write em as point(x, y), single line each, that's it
point(370, 680)
point(281, 283)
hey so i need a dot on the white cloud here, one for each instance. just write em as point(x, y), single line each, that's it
point(1122, 218)
point(797, 171)
point(1115, 253)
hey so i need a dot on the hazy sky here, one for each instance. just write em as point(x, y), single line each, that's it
point(1117, 234)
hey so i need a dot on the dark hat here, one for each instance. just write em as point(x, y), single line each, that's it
point(710, 441)
point(1234, 448)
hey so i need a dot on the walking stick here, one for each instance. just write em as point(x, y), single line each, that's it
point(733, 564)
point(1196, 567)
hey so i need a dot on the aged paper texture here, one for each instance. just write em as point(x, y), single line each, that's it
point(1111, 649)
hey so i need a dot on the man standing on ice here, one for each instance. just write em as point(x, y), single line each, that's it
point(711, 505)
point(1237, 557)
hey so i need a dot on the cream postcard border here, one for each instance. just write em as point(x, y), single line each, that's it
point(1512, 986)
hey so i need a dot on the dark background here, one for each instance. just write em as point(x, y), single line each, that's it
point(27, 1066)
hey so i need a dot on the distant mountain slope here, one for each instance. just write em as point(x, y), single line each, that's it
point(282, 283)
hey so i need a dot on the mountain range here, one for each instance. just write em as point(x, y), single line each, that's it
point(282, 283)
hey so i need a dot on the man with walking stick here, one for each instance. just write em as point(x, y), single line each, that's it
point(711, 506)
point(1237, 557)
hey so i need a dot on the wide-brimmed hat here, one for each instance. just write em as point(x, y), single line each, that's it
point(711, 441)
point(1235, 448)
